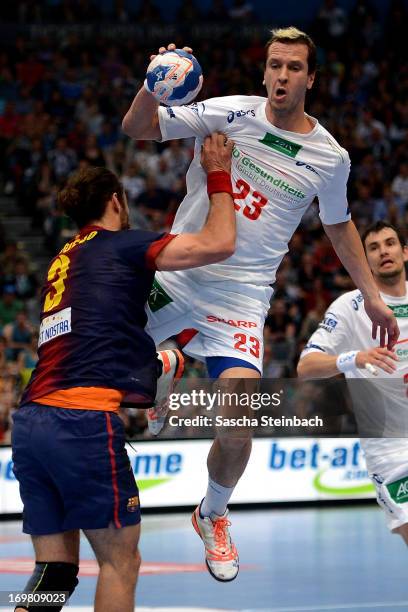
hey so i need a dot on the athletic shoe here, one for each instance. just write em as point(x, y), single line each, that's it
point(221, 556)
point(173, 368)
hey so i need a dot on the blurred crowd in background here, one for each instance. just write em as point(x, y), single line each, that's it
point(62, 99)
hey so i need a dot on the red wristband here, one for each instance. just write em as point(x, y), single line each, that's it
point(219, 182)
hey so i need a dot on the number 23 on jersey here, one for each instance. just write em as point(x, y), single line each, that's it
point(254, 208)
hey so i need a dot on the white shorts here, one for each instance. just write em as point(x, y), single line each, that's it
point(388, 469)
point(229, 317)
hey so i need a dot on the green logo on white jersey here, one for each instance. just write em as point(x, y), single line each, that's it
point(400, 311)
point(158, 297)
point(280, 144)
point(398, 490)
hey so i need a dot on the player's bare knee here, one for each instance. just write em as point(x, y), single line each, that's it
point(125, 570)
point(126, 563)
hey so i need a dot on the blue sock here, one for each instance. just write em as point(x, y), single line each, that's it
point(216, 499)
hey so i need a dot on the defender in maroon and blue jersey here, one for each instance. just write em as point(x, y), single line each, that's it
point(68, 440)
point(92, 340)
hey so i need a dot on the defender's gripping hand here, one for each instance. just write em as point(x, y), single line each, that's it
point(216, 153)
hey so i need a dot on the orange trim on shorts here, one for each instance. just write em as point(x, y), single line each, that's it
point(116, 520)
point(84, 398)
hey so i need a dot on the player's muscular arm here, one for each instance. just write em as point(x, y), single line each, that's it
point(141, 122)
point(216, 241)
point(319, 365)
point(347, 244)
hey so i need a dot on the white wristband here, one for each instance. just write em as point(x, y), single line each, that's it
point(346, 362)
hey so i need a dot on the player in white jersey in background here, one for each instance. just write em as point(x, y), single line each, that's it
point(282, 159)
point(343, 343)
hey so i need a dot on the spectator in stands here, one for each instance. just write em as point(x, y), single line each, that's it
point(133, 182)
point(3, 357)
point(10, 306)
point(27, 359)
point(325, 259)
point(177, 157)
point(62, 159)
point(363, 208)
point(24, 281)
point(165, 178)
point(18, 334)
point(282, 330)
point(11, 255)
point(92, 153)
point(241, 11)
point(332, 24)
point(399, 184)
point(108, 137)
point(153, 198)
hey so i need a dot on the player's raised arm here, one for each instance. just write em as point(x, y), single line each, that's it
point(216, 240)
point(347, 244)
point(141, 122)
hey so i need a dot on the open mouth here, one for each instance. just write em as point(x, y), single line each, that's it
point(280, 93)
point(386, 262)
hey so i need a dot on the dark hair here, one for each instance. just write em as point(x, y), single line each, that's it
point(86, 194)
point(376, 227)
point(292, 36)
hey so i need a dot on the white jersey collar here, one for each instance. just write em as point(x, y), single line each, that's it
point(289, 133)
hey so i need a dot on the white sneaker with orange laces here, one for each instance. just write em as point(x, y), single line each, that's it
point(221, 556)
point(173, 368)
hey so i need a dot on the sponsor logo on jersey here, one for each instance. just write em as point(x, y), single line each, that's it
point(247, 324)
point(357, 301)
point(307, 166)
point(263, 178)
point(197, 107)
point(402, 354)
point(329, 324)
point(400, 311)
point(158, 297)
point(170, 112)
point(398, 490)
point(241, 113)
point(280, 144)
point(55, 325)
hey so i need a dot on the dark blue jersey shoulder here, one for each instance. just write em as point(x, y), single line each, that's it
point(93, 315)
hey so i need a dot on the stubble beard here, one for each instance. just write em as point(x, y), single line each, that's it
point(392, 277)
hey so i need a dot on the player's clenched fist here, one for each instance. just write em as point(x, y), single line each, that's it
point(216, 153)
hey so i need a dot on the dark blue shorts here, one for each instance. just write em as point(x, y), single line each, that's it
point(73, 470)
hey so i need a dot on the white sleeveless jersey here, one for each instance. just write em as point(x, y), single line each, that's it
point(276, 174)
point(346, 327)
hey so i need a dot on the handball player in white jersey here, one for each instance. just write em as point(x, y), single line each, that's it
point(282, 160)
point(343, 343)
